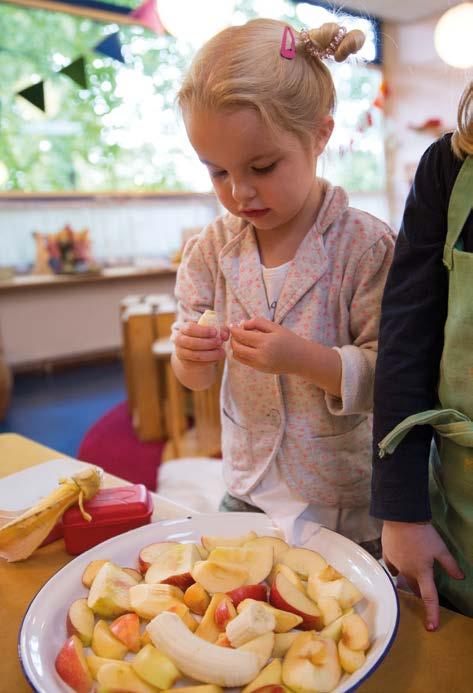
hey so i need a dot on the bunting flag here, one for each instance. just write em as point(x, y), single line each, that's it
point(76, 71)
point(147, 16)
point(35, 95)
point(111, 47)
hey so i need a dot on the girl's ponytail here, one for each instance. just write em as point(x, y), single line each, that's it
point(462, 140)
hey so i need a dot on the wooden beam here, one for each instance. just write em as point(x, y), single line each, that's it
point(90, 12)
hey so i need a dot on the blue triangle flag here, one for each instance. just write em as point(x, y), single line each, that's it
point(111, 47)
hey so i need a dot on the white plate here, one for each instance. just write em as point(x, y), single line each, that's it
point(43, 631)
point(23, 489)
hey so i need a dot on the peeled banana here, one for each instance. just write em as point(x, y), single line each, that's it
point(22, 534)
point(199, 658)
point(254, 621)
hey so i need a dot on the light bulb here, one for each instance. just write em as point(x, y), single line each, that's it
point(453, 36)
point(195, 21)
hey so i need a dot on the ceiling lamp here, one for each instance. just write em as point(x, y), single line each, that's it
point(195, 21)
point(453, 36)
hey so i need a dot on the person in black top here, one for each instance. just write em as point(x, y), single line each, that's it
point(412, 347)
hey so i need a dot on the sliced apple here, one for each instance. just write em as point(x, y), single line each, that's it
point(126, 628)
point(80, 621)
point(311, 664)
point(351, 660)
point(269, 676)
point(272, 688)
point(304, 562)
point(71, 666)
point(94, 663)
point(152, 552)
point(208, 628)
point(184, 614)
point(285, 620)
point(197, 599)
point(257, 562)
point(91, 571)
point(205, 688)
point(282, 642)
point(330, 609)
point(219, 577)
point(155, 667)
point(330, 583)
point(262, 646)
point(150, 600)
point(258, 593)
point(278, 545)
point(223, 641)
point(334, 629)
point(105, 644)
point(134, 574)
point(120, 676)
point(174, 566)
point(209, 543)
point(224, 613)
point(109, 592)
point(289, 573)
point(284, 595)
point(355, 634)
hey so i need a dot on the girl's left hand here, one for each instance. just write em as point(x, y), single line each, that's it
point(263, 345)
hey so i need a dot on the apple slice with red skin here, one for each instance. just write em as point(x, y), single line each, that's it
point(284, 595)
point(150, 554)
point(174, 566)
point(272, 688)
point(71, 666)
point(257, 592)
point(303, 562)
point(80, 621)
point(224, 613)
point(207, 628)
point(126, 628)
point(91, 571)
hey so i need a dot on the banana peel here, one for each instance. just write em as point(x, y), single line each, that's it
point(22, 532)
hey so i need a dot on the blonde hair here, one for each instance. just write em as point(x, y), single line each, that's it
point(462, 140)
point(241, 67)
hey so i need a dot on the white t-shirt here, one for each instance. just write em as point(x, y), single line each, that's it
point(273, 279)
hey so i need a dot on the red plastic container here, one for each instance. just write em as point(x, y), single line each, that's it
point(113, 510)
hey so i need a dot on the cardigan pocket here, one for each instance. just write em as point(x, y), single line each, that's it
point(236, 443)
point(341, 465)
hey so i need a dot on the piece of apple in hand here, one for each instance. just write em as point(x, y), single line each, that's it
point(174, 566)
point(330, 583)
point(71, 666)
point(311, 664)
point(80, 621)
point(285, 596)
point(126, 628)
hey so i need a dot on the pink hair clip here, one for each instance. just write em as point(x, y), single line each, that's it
point(288, 52)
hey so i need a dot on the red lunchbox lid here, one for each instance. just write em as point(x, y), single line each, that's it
point(112, 505)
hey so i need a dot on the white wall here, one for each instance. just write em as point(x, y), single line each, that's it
point(421, 86)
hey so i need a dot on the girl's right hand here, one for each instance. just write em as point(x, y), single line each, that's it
point(410, 549)
point(199, 344)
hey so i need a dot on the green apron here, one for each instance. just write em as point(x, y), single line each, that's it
point(451, 458)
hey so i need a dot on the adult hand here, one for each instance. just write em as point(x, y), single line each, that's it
point(200, 344)
point(410, 549)
point(263, 345)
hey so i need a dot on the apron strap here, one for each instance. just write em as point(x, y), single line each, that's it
point(459, 207)
point(449, 423)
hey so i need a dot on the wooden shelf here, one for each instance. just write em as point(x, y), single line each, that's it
point(111, 274)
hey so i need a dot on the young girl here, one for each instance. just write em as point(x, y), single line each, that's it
point(425, 364)
point(294, 274)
